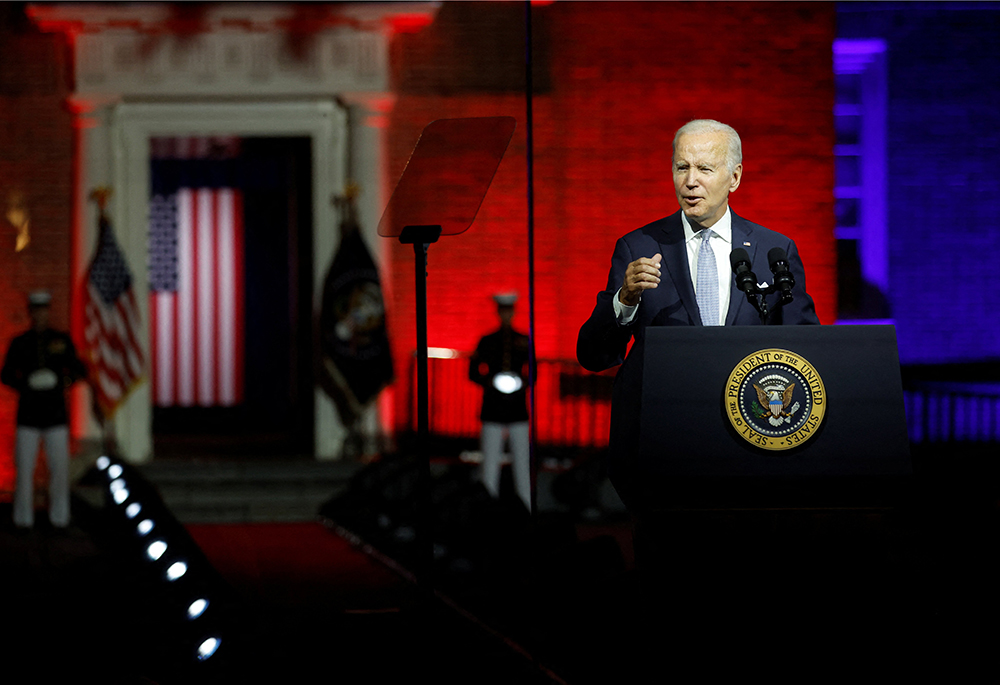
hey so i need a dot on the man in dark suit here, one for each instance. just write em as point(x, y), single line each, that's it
point(698, 571)
point(676, 272)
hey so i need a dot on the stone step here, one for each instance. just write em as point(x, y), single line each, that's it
point(208, 491)
point(255, 491)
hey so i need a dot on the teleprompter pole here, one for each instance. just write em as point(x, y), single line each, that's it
point(421, 238)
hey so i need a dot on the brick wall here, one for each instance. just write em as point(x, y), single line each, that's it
point(621, 78)
point(613, 82)
point(36, 153)
point(944, 173)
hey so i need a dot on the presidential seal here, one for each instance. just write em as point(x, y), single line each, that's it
point(775, 399)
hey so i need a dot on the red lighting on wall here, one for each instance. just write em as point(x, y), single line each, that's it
point(602, 147)
point(409, 23)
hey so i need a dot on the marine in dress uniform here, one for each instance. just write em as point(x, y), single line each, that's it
point(499, 364)
point(40, 365)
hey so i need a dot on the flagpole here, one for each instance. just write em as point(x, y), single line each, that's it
point(532, 362)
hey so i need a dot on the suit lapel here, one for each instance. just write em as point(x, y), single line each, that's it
point(675, 259)
point(742, 232)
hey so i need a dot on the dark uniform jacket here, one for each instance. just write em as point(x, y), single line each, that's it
point(43, 395)
point(602, 343)
point(504, 350)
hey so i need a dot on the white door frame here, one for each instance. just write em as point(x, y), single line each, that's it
point(131, 127)
point(135, 79)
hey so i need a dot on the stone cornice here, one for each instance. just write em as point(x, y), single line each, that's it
point(153, 17)
point(230, 50)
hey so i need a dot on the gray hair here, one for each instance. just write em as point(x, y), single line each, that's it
point(734, 149)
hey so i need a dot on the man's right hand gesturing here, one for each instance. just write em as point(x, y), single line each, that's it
point(642, 274)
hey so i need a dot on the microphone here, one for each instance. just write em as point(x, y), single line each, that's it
point(745, 278)
point(783, 279)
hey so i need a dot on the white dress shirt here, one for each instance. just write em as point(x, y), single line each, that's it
point(722, 245)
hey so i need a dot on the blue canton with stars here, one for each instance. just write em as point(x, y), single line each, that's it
point(163, 243)
point(109, 273)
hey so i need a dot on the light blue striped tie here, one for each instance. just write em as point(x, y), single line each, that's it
point(708, 281)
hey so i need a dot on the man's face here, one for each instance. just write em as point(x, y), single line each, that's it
point(506, 314)
point(39, 317)
point(701, 178)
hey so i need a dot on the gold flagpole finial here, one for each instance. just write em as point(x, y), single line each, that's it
point(18, 217)
point(345, 199)
point(100, 194)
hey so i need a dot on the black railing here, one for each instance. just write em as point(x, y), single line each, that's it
point(574, 405)
point(940, 415)
point(953, 402)
point(944, 403)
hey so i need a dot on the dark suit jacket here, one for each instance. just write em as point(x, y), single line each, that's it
point(602, 343)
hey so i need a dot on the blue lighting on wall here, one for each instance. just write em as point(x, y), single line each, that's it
point(940, 233)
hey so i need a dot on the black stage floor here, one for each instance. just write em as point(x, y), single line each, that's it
point(798, 595)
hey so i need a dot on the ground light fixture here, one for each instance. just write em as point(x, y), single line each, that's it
point(197, 608)
point(208, 647)
point(176, 570)
point(170, 566)
point(156, 549)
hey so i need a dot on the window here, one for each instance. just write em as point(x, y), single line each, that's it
point(860, 188)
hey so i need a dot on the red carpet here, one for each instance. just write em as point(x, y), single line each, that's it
point(314, 604)
point(296, 564)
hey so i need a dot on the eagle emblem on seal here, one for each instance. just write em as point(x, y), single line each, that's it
point(775, 396)
point(775, 399)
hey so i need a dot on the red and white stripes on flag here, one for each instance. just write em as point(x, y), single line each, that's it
point(196, 297)
point(194, 147)
point(111, 319)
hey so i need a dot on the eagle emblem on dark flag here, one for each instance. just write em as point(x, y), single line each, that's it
point(356, 362)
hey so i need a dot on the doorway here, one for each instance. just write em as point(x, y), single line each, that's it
point(248, 393)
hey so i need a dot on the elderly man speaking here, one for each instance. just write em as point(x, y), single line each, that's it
point(676, 272)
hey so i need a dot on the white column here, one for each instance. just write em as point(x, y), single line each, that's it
point(95, 165)
point(129, 213)
point(329, 179)
point(369, 122)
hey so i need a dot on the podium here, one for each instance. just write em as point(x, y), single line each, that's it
point(770, 415)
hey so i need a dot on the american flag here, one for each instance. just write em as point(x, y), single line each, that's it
point(111, 321)
point(196, 297)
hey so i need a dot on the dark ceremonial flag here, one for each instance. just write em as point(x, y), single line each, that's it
point(357, 362)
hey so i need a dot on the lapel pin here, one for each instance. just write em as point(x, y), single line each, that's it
point(746, 244)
